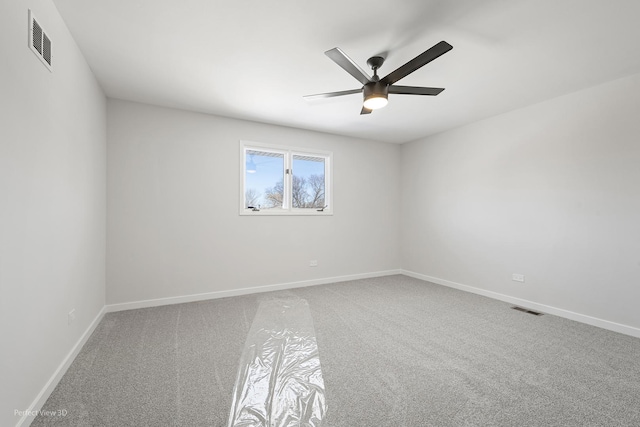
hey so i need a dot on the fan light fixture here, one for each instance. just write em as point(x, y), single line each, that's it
point(375, 101)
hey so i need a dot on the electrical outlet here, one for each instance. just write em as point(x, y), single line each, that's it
point(517, 277)
point(313, 263)
point(72, 316)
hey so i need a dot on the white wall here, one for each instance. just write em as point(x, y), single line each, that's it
point(52, 203)
point(173, 196)
point(551, 191)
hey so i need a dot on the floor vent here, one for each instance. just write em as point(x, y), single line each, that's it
point(525, 310)
point(39, 42)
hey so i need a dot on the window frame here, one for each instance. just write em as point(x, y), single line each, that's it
point(288, 152)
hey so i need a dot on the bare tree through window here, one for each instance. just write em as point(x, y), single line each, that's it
point(305, 193)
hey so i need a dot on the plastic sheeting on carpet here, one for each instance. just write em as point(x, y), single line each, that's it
point(279, 381)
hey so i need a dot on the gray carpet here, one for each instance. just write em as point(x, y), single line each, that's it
point(395, 351)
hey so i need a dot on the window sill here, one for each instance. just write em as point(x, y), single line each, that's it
point(272, 212)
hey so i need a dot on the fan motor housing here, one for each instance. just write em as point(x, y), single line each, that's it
point(376, 89)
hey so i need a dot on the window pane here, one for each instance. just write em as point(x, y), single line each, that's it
point(308, 183)
point(264, 179)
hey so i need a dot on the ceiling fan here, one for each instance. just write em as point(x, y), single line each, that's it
point(376, 89)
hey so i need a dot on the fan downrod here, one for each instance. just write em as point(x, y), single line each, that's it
point(375, 62)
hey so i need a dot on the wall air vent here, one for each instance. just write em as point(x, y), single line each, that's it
point(39, 42)
point(526, 310)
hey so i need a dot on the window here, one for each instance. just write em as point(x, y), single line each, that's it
point(284, 181)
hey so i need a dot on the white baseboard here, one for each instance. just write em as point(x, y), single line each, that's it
point(243, 291)
point(46, 391)
point(582, 318)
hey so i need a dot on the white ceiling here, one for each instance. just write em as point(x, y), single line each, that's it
point(255, 59)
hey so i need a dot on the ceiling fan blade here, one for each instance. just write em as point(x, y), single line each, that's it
point(347, 64)
point(415, 90)
point(417, 62)
point(331, 94)
point(365, 111)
